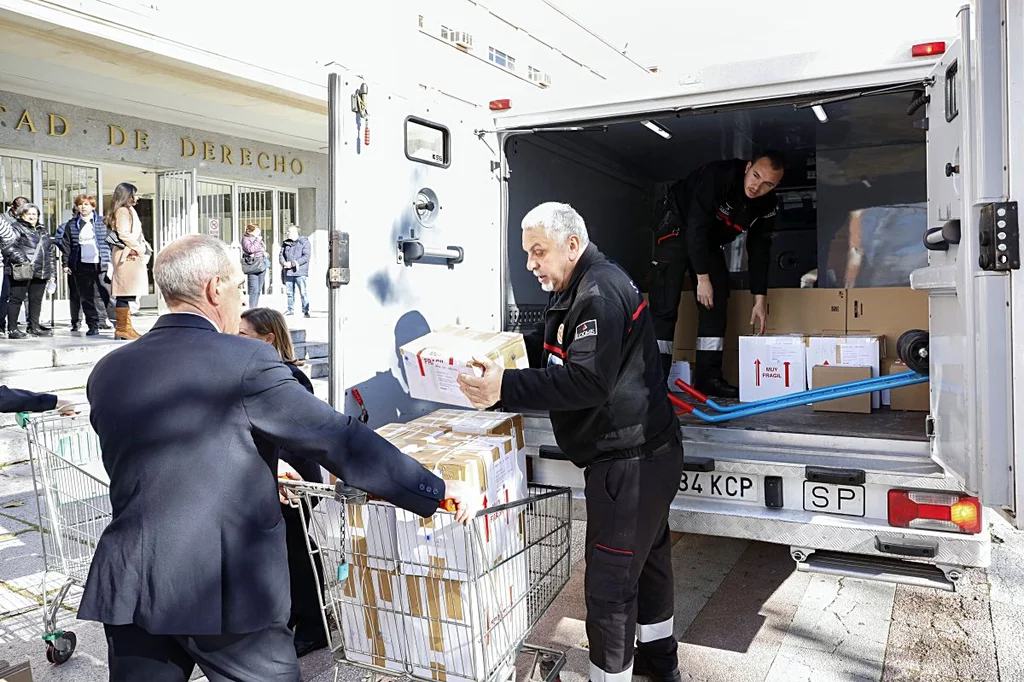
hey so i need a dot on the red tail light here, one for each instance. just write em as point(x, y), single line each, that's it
point(934, 511)
point(928, 49)
point(500, 104)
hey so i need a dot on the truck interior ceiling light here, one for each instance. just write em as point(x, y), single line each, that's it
point(928, 49)
point(819, 111)
point(657, 128)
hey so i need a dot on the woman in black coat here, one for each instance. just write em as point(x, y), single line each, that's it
point(33, 248)
point(307, 618)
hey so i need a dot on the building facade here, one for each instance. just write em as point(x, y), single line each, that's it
point(217, 111)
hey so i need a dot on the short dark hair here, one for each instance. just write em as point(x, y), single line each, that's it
point(776, 159)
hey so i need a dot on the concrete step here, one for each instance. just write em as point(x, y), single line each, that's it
point(311, 350)
point(75, 396)
point(317, 368)
point(298, 335)
point(60, 351)
point(57, 380)
point(13, 445)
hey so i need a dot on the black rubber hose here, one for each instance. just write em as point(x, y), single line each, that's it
point(917, 103)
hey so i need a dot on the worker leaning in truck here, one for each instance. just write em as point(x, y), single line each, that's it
point(596, 370)
point(708, 209)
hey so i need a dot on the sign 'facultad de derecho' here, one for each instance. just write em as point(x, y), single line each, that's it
point(41, 126)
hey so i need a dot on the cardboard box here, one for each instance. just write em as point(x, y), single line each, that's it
point(451, 624)
point(771, 366)
point(886, 311)
point(830, 375)
point(473, 422)
point(914, 398)
point(433, 362)
point(849, 351)
point(372, 618)
point(807, 311)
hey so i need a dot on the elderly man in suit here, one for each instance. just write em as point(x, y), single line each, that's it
point(193, 568)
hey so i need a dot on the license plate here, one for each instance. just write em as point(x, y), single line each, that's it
point(829, 498)
point(724, 486)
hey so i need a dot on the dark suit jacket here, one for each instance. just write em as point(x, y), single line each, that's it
point(308, 469)
point(17, 400)
point(196, 545)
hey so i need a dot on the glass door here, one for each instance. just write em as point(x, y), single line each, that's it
point(216, 211)
point(61, 183)
point(287, 215)
point(177, 214)
point(15, 180)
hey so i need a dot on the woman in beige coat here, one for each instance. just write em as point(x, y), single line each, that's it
point(130, 257)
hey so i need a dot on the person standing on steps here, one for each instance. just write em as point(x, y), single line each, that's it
point(130, 255)
point(83, 243)
point(295, 253)
point(254, 262)
point(29, 263)
point(7, 236)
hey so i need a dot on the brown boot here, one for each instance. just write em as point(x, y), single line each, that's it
point(124, 329)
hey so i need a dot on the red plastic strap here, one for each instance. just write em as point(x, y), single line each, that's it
point(694, 393)
point(681, 404)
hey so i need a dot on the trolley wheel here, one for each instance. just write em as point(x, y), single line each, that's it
point(60, 650)
point(912, 349)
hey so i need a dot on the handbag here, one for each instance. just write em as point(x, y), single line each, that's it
point(23, 272)
point(114, 240)
point(253, 264)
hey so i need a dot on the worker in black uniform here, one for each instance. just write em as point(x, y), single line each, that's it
point(708, 209)
point(597, 372)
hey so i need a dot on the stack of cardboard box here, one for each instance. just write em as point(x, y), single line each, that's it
point(816, 338)
point(429, 590)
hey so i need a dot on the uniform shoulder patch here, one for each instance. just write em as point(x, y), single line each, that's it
point(585, 329)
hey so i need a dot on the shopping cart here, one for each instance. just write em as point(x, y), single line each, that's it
point(73, 496)
point(432, 599)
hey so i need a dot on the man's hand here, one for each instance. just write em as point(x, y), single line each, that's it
point(286, 472)
point(466, 499)
point(705, 292)
point(67, 271)
point(759, 314)
point(486, 390)
point(66, 407)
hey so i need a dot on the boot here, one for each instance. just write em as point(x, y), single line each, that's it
point(717, 387)
point(35, 329)
point(124, 330)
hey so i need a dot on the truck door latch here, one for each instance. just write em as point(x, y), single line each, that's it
point(999, 237)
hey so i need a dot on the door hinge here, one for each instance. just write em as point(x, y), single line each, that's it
point(999, 237)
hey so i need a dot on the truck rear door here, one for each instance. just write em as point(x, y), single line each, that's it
point(972, 237)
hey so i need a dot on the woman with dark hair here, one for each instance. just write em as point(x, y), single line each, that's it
point(307, 620)
point(83, 243)
point(28, 266)
point(130, 255)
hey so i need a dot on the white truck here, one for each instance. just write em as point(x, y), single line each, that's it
point(452, 183)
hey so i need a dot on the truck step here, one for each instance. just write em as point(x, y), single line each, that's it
point(881, 569)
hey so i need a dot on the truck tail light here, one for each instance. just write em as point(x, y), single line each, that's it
point(928, 49)
point(934, 511)
point(500, 104)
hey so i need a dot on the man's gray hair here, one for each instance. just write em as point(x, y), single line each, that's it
point(559, 222)
point(25, 208)
point(183, 267)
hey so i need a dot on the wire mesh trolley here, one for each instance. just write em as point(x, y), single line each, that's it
point(431, 598)
point(73, 497)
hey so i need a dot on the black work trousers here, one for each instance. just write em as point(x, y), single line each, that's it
point(665, 282)
point(628, 583)
point(135, 655)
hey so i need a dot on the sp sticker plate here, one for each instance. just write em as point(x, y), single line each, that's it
point(585, 329)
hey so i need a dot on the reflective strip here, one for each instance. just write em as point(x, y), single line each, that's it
point(655, 631)
point(598, 675)
point(710, 343)
point(665, 347)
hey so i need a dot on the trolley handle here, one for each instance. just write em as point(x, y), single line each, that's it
point(680, 404)
point(693, 393)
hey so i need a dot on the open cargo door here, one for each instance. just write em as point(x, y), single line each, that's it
point(972, 241)
point(419, 196)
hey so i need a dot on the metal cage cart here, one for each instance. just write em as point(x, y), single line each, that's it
point(430, 598)
point(73, 496)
